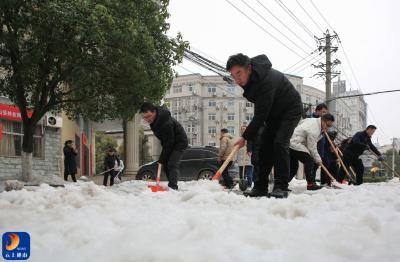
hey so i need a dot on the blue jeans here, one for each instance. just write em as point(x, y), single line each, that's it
point(248, 174)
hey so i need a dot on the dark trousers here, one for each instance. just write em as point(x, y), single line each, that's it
point(274, 152)
point(72, 175)
point(172, 168)
point(225, 175)
point(308, 162)
point(356, 164)
point(110, 174)
point(248, 174)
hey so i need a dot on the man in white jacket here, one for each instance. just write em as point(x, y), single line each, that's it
point(303, 146)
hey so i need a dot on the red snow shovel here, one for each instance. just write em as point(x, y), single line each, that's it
point(157, 187)
point(218, 174)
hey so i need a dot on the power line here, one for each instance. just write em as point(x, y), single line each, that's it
point(295, 18)
point(262, 28)
point(306, 65)
point(309, 16)
point(297, 63)
point(366, 94)
point(323, 17)
point(280, 21)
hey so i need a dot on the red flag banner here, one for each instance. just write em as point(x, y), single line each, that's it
point(10, 112)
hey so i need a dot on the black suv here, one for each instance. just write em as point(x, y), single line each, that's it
point(197, 163)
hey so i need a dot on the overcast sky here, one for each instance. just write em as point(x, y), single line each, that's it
point(369, 30)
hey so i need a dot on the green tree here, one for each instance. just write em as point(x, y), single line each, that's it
point(389, 159)
point(103, 143)
point(99, 59)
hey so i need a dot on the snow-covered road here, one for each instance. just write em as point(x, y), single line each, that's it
point(86, 222)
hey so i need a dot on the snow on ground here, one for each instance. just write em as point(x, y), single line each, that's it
point(86, 222)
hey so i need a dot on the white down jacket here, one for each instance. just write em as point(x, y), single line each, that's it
point(306, 136)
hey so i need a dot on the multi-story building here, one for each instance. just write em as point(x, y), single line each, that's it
point(350, 112)
point(206, 104)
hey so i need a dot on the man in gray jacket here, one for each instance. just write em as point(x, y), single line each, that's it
point(303, 146)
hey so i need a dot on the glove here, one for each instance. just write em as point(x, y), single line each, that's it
point(381, 158)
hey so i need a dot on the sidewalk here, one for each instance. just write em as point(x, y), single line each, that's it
point(98, 180)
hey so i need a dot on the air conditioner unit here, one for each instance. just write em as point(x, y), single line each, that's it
point(223, 94)
point(213, 134)
point(194, 92)
point(217, 121)
point(225, 121)
point(217, 107)
point(53, 121)
point(225, 108)
point(214, 93)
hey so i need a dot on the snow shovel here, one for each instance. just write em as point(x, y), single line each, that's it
point(218, 174)
point(335, 184)
point(116, 178)
point(157, 187)
point(243, 185)
point(391, 169)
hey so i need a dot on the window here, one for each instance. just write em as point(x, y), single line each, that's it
point(212, 89)
point(211, 116)
point(231, 103)
point(190, 88)
point(212, 103)
point(231, 129)
point(190, 128)
point(212, 130)
point(212, 144)
point(177, 89)
point(231, 117)
point(249, 117)
point(231, 89)
point(249, 104)
point(11, 142)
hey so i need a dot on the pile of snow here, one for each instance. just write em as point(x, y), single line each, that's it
point(127, 222)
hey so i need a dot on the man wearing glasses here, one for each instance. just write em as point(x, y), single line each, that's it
point(303, 146)
point(278, 107)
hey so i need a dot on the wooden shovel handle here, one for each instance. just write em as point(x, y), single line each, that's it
point(338, 155)
point(327, 172)
point(158, 173)
point(218, 174)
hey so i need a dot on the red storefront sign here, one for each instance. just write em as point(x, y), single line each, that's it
point(11, 113)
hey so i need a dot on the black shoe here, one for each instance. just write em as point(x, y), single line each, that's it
point(313, 186)
point(173, 186)
point(279, 193)
point(257, 192)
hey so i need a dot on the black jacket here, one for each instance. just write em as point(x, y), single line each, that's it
point(358, 144)
point(274, 97)
point(170, 133)
point(109, 162)
point(69, 161)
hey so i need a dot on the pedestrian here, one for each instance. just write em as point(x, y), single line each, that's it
point(278, 107)
point(111, 163)
point(303, 146)
point(244, 161)
point(172, 137)
point(355, 147)
point(225, 148)
point(70, 153)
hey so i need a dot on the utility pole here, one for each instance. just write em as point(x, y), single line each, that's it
point(326, 45)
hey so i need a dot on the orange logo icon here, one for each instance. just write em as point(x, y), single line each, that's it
point(13, 244)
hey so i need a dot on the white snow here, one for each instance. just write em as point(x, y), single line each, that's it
point(86, 222)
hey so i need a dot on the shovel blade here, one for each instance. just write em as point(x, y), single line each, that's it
point(157, 188)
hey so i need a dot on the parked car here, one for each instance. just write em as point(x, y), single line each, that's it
point(197, 163)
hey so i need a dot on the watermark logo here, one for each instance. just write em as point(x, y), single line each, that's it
point(16, 246)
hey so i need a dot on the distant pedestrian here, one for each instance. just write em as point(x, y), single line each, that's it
point(70, 153)
point(244, 161)
point(111, 163)
point(225, 148)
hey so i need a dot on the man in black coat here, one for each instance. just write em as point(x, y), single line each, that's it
point(356, 146)
point(70, 154)
point(172, 137)
point(277, 106)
